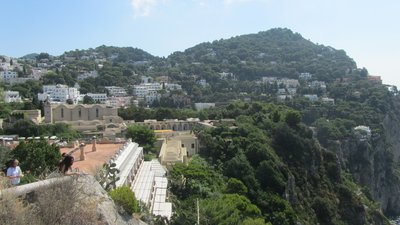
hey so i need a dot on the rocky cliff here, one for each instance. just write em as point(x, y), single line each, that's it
point(64, 201)
point(106, 209)
point(375, 163)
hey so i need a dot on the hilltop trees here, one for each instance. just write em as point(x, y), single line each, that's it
point(142, 135)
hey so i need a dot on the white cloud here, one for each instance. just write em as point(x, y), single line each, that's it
point(230, 2)
point(144, 7)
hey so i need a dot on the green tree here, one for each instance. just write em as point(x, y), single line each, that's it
point(88, 100)
point(236, 186)
point(5, 156)
point(230, 209)
point(293, 118)
point(53, 78)
point(251, 221)
point(23, 128)
point(37, 156)
point(43, 55)
point(142, 135)
point(363, 72)
point(70, 101)
point(125, 198)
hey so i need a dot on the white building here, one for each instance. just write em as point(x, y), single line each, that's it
point(282, 98)
point(152, 95)
point(305, 76)
point(328, 100)
point(169, 86)
point(292, 91)
point(86, 75)
point(8, 75)
point(119, 102)
point(363, 132)
point(151, 188)
point(147, 92)
point(42, 65)
point(59, 93)
point(312, 98)
point(226, 76)
point(116, 91)
point(97, 97)
point(146, 79)
point(289, 83)
point(140, 91)
point(318, 84)
point(12, 96)
point(148, 180)
point(281, 91)
point(201, 106)
point(202, 83)
point(37, 73)
point(153, 86)
point(269, 80)
point(5, 65)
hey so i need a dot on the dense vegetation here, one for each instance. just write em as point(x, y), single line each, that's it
point(272, 167)
point(276, 52)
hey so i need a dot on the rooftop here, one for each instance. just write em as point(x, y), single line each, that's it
point(94, 160)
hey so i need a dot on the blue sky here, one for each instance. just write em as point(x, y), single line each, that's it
point(368, 30)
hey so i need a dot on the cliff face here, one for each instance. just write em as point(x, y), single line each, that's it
point(106, 210)
point(63, 200)
point(375, 163)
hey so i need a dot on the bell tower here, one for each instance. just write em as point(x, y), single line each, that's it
point(48, 112)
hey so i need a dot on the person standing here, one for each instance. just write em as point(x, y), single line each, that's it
point(14, 173)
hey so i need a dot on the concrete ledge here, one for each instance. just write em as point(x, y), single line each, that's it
point(27, 188)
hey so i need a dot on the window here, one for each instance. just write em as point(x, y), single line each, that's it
point(192, 145)
point(97, 112)
point(183, 145)
point(80, 113)
point(62, 113)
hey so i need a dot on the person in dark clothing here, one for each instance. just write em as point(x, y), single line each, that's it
point(66, 165)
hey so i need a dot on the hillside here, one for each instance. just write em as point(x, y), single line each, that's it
point(276, 52)
point(117, 54)
point(268, 167)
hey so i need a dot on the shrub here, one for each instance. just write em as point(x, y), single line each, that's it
point(60, 203)
point(64, 203)
point(125, 198)
point(236, 186)
point(149, 157)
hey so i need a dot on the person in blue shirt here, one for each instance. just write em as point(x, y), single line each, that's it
point(14, 173)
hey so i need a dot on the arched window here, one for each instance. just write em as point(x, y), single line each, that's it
point(97, 112)
point(62, 113)
point(80, 113)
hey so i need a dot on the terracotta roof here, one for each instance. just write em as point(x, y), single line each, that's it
point(94, 160)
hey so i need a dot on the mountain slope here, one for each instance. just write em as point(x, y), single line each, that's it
point(276, 52)
point(119, 54)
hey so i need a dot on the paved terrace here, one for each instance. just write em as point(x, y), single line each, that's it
point(94, 160)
